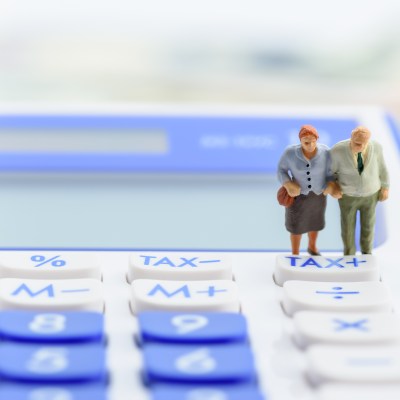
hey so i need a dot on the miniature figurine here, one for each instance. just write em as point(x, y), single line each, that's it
point(360, 171)
point(304, 171)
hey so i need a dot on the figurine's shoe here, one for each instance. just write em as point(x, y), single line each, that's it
point(313, 253)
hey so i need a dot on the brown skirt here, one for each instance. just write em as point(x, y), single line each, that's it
point(307, 214)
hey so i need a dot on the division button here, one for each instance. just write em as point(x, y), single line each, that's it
point(336, 296)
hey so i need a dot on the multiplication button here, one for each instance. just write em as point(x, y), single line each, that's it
point(198, 364)
point(183, 296)
point(313, 327)
point(326, 269)
point(49, 295)
point(49, 265)
point(179, 266)
point(336, 296)
point(169, 327)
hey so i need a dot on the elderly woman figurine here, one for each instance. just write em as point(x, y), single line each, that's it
point(304, 171)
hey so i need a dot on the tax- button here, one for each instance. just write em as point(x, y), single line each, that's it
point(49, 295)
point(49, 265)
point(60, 327)
point(326, 269)
point(182, 296)
point(313, 327)
point(362, 364)
point(168, 327)
point(198, 364)
point(179, 266)
point(336, 296)
point(50, 363)
point(206, 392)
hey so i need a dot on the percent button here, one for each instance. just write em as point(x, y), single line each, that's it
point(49, 265)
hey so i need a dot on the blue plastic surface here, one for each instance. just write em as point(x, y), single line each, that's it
point(12, 391)
point(203, 143)
point(226, 392)
point(170, 327)
point(55, 327)
point(52, 364)
point(231, 363)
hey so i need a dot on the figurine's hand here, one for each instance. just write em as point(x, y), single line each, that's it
point(293, 188)
point(334, 190)
point(384, 194)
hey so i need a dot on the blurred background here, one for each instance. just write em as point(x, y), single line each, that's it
point(253, 51)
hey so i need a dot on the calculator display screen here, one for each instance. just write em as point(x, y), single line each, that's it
point(151, 182)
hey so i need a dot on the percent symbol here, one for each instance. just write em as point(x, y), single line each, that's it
point(53, 261)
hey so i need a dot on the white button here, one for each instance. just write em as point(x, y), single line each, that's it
point(179, 266)
point(356, 392)
point(49, 265)
point(335, 296)
point(218, 295)
point(362, 364)
point(49, 295)
point(326, 269)
point(312, 327)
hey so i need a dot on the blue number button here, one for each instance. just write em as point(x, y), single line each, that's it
point(51, 363)
point(198, 364)
point(222, 392)
point(54, 327)
point(169, 327)
point(53, 392)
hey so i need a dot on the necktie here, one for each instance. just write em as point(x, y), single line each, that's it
point(360, 164)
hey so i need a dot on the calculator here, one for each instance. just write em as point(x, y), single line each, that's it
point(143, 256)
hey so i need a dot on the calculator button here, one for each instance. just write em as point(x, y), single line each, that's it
point(221, 392)
point(335, 296)
point(311, 327)
point(326, 269)
point(62, 327)
point(362, 364)
point(51, 363)
point(357, 392)
point(198, 364)
point(192, 328)
point(179, 266)
point(183, 296)
point(87, 391)
point(49, 295)
point(49, 265)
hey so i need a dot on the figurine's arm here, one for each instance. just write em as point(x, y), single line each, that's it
point(384, 177)
point(332, 186)
point(291, 186)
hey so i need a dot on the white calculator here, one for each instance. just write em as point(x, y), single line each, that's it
point(143, 256)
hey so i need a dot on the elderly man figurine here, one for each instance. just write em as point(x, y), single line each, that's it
point(359, 167)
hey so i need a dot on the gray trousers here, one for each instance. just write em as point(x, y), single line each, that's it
point(349, 206)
